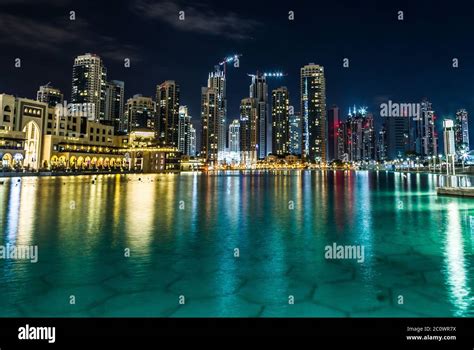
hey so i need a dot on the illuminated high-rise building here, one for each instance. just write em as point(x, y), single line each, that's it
point(259, 92)
point(89, 79)
point(249, 131)
point(184, 126)
point(461, 130)
point(358, 134)
point(313, 112)
point(333, 125)
point(114, 104)
point(397, 137)
point(295, 131)
point(280, 122)
point(49, 95)
point(382, 145)
point(192, 141)
point(425, 138)
point(140, 113)
point(167, 102)
point(217, 81)
point(341, 142)
point(210, 123)
point(234, 136)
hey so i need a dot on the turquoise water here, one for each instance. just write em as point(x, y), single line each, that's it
point(182, 232)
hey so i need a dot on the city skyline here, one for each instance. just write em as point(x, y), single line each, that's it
point(365, 81)
point(169, 158)
point(91, 86)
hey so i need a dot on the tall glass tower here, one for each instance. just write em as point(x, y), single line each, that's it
point(259, 92)
point(313, 112)
point(217, 82)
point(89, 81)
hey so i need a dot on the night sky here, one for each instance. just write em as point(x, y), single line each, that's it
point(389, 59)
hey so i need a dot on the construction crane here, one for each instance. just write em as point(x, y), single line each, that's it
point(268, 74)
point(229, 59)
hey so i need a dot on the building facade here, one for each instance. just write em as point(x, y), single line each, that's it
point(461, 131)
point(280, 122)
point(50, 95)
point(114, 105)
point(295, 132)
point(313, 112)
point(192, 141)
point(249, 131)
point(397, 137)
point(34, 136)
point(234, 136)
point(167, 100)
point(210, 125)
point(382, 145)
point(140, 113)
point(332, 133)
point(89, 80)
point(184, 134)
point(259, 92)
point(425, 138)
point(217, 81)
point(358, 137)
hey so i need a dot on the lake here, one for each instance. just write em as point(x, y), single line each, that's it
point(236, 244)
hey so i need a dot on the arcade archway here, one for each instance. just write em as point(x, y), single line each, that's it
point(32, 145)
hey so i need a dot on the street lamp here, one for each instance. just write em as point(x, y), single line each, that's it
point(440, 156)
point(429, 163)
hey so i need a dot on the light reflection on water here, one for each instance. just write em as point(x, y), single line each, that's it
point(457, 279)
point(190, 224)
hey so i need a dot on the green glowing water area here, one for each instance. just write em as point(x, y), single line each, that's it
point(236, 244)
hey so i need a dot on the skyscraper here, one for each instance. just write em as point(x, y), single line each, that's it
point(358, 137)
point(397, 136)
point(184, 126)
point(342, 151)
point(280, 122)
point(210, 124)
point(114, 104)
point(426, 140)
point(140, 113)
point(89, 77)
point(333, 125)
point(382, 145)
point(313, 112)
point(234, 136)
point(461, 130)
point(49, 95)
point(295, 131)
point(167, 100)
point(192, 141)
point(249, 131)
point(369, 141)
point(217, 81)
point(259, 92)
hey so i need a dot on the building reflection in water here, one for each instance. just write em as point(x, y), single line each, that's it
point(140, 214)
point(27, 215)
point(246, 211)
point(456, 273)
point(13, 209)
